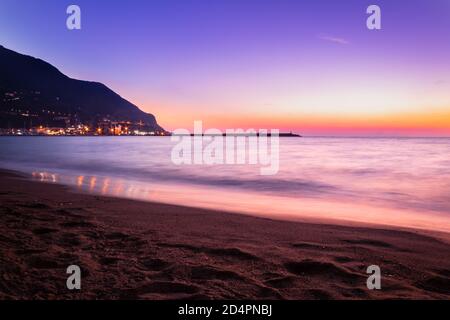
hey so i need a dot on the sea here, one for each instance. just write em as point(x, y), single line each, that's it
point(396, 182)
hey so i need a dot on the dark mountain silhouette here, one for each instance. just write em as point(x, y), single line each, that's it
point(33, 86)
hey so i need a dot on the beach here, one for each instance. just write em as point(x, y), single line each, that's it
point(129, 249)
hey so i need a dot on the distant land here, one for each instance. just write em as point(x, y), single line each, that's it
point(281, 134)
point(35, 96)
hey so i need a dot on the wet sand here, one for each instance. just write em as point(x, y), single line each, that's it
point(137, 250)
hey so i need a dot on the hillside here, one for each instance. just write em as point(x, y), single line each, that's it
point(33, 91)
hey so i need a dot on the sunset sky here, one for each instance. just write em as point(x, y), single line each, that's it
point(307, 66)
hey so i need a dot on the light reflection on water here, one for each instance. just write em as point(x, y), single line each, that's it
point(402, 182)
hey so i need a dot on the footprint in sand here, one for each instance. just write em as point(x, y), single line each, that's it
point(373, 243)
point(44, 231)
point(153, 264)
point(434, 283)
point(281, 282)
point(319, 268)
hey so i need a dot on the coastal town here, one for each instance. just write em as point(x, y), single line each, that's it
point(104, 128)
point(52, 123)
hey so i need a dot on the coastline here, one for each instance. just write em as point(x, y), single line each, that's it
point(129, 249)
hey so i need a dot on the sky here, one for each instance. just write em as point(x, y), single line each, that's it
point(312, 67)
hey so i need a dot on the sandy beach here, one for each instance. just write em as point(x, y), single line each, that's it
point(137, 250)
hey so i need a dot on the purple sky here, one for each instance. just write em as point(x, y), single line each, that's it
point(302, 65)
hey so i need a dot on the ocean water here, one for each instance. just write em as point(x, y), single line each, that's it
point(403, 182)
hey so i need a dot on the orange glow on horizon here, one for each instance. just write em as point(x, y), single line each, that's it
point(432, 123)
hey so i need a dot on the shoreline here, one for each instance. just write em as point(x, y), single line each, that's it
point(129, 249)
point(443, 234)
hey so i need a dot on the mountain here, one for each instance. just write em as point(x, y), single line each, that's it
point(32, 88)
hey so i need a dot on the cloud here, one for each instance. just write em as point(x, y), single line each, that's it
point(334, 39)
